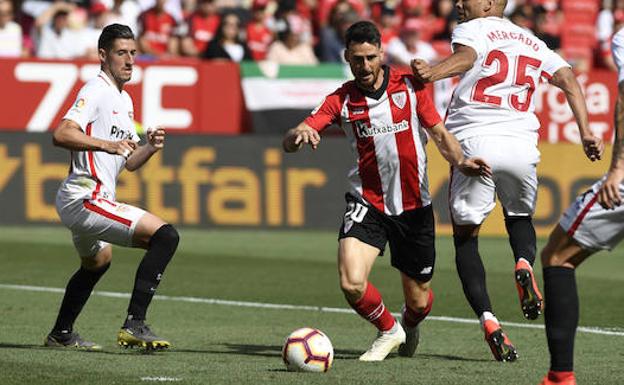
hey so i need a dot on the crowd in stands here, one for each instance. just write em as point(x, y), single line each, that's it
point(302, 32)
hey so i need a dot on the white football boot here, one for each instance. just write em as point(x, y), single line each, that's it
point(384, 343)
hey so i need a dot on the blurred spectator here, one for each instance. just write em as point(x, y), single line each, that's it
point(409, 46)
point(605, 21)
point(289, 49)
point(98, 19)
point(124, 12)
point(227, 43)
point(10, 33)
point(56, 40)
point(172, 7)
point(444, 20)
point(287, 10)
point(388, 25)
point(157, 28)
point(519, 18)
point(325, 9)
point(259, 36)
point(552, 41)
point(201, 27)
point(332, 36)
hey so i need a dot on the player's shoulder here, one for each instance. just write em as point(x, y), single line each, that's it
point(404, 74)
point(470, 26)
point(94, 87)
point(348, 88)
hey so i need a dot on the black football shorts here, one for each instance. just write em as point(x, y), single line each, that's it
point(411, 235)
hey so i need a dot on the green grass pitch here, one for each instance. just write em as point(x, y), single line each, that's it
point(224, 344)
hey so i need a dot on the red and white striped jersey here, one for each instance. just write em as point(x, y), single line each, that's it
point(385, 130)
point(495, 97)
point(103, 112)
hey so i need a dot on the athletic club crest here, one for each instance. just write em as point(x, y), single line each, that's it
point(399, 99)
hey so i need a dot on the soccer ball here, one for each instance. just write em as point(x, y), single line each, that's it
point(308, 350)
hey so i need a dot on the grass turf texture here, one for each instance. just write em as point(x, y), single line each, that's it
point(217, 344)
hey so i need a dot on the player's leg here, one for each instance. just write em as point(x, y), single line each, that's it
point(516, 184)
point(472, 274)
point(418, 303)
point(471, 200)
point(77, 292)
point(161, 241)
point(570, 243)
point(412, 246)
point(355, 260)
point(470, 268)
point(362, 239)
point(560, 257)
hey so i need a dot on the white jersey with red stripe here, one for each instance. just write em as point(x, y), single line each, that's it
point(103, 112)
point(495, 97)
point(385, 130)
point(591, 225)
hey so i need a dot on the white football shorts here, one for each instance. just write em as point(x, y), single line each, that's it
point(592, 226)
point(514, 163)
point(95, 223)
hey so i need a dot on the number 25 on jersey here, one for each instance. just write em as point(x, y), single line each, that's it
point(520, 78)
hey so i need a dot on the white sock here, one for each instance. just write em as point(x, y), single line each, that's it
point(528, 263)
point(487, 316)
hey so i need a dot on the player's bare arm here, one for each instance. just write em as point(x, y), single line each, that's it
point(451, 150)
point(296, 137)
point(459, 62)
point(69, 135)
point(609, 194)
point(565, 80)
point(155, 143)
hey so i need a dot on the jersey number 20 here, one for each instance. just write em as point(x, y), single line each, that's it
point(520, 79)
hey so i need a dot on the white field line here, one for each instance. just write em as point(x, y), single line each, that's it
point(161, 379)
point(261, 305)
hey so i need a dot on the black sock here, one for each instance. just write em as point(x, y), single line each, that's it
point(162, 245)
point(522, 237)
point(472, 274)
point(561, 315)
point(77, 293)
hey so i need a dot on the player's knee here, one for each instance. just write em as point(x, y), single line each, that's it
point(352, 287)
point(97, 267)
point(465, 240)
point(166, 236)
point(551, 258)
point(418, 304)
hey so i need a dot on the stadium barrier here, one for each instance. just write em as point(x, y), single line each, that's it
point(248, 182)
point(190, 96)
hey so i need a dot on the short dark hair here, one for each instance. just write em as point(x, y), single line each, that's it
point(363, 32)
point(112, 32)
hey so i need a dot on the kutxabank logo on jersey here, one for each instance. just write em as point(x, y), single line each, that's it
point(365, 131)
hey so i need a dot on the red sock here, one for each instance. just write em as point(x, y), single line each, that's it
point(411, 318)
point(561, 377)
point(371, 308)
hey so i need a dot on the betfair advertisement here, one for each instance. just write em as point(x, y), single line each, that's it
point(248, 182)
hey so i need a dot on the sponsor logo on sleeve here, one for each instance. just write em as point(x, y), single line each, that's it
point(79, 103)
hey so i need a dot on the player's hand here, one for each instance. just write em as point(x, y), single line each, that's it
point(306, 135)
point(124, 147)
point(421, 70)
point(593, 147)
point(156, 137)
point(609, 194)
point(475, 167)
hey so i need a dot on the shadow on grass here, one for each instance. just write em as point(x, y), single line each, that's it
point(119, 352)
point(261, 351)
point(448, 357)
